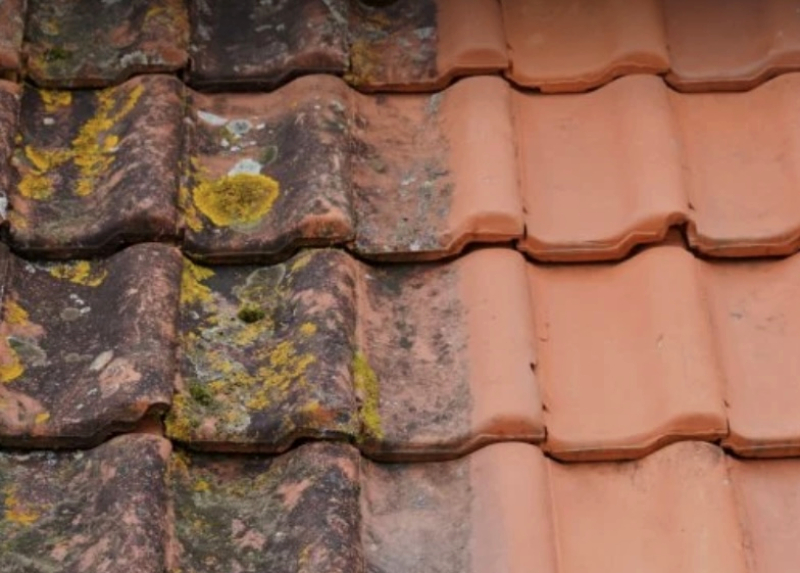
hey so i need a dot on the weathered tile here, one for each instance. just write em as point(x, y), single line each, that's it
point(740, 155)
point(266, 354)
point(95, 43)
point(484, 513)
point(102, 510)
point(97, 169)
point(424, 45)
point(444, 357)
point(757, 328)
point(629, 188)
point(672, 511)
point(87, 347)
point(432, 173)
point(269, 172)
point(297, 512)
point(769, 510)
point(732, 47)
point(12, 27)
point(293, 38)
point(580, 44)
point(627, 360)
point(9, 115)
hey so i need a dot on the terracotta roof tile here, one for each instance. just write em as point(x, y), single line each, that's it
point(97, 168)
point(9, 113)
point(92, 43)
point(101, 510)
point(86, 348)
point(12, 26)
point(627, 360)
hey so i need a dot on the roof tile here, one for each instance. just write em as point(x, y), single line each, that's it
point(92, 43)
point(627, 360)
point(86, 348)
point(101, 510)
point(12, 26)
point(9, 115)
point(672, 511)
point(97, 169)
point(580, 44)
point(294, 38)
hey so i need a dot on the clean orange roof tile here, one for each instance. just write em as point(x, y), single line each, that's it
point(732, 46)
point(12, 26)
point(755, 307)
point(574, 45)
point(626, 353)
point(671, 512)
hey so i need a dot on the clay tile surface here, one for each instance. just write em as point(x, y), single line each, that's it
point(432, 173)
point(297, 512)
point(757, 325)
point(9, 113)
point(99, 511)
point(93, 43)
point(672, 511)
point(269, 172)
point(324, 346)
point(741, 151)
point(424, 45)
point(293, 38)
point(86, 347)
point(96, 169)
point(12, 27)
point(580, 44)
point(627, 360)
point(709, 52)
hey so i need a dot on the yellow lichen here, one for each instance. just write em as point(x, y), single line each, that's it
point(179, 425)
point(16, 512)
point(11, 366)
point(41, 418)
point(239, 199)
point(52, 100)
point(201, 485)
point(367, 388)
point(190, 215)
point(36, 184)
point(285, 368)
point(364, 62)
point(193, 291)
point(80, 273)
point(13, 313)
point(301, 261)
point(308, 329)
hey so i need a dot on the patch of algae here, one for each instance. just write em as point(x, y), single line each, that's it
point(92, 150)
point(80, 273)
point(240, 199)
point(368, 389)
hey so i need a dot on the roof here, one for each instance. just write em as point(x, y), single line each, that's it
point(441, 286)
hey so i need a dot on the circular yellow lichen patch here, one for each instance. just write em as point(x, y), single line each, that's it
point(236, 199)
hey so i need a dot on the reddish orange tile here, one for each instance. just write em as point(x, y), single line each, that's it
point(86, 347)
point(769, 511)
point(671, 512)
point(97, 169)
point(294, 38)
point(627, 360)
point(445, 357)
point(732, 46)
point(432, 173)
point(12, 26)
point(101, 510)
point(740, 154)
point(9, 113)
point(600, 172)
point(485, 513)
point(95, 43)
point(424, 45)
point(580, 44)
point(757, 327)
point(269, 172)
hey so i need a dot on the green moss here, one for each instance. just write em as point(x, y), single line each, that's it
point(368, 389)
point(201, 394)
point(250, 314)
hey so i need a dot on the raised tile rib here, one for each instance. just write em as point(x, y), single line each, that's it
point(9, 115)
point(627, 361)
point(86, 348)
point(732, 47)
point(92, 43)
point(673, 511)
point(580, 44)
point(96, 170)
point(757, 328)
point(12, 27)
point(102, 510)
